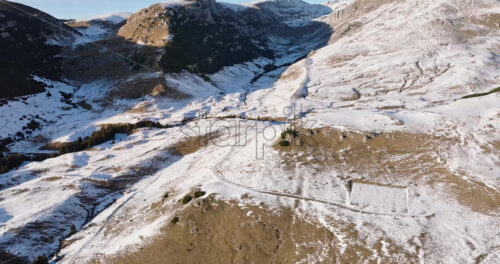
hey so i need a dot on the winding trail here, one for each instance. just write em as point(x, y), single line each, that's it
point(218, 172)
point(131, 195)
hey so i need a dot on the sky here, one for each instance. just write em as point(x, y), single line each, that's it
point(81, 9)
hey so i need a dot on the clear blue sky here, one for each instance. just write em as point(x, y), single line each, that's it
point(79, 9)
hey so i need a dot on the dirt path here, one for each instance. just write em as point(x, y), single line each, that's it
point(217, 170)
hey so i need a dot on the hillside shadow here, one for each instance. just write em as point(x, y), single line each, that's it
point(4, 217)
point(45, 235)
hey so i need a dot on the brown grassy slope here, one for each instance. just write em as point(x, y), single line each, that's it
point(212, 231)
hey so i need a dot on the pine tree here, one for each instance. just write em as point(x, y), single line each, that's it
point(42, 259)
point(72, 230)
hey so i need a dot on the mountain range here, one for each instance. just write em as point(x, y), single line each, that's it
point(353, 131)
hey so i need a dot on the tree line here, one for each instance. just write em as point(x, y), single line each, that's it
point(105, 133)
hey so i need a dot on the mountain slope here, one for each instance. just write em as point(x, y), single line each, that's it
point(98, 28)
point(294, 13)
point(358, 131)
point(29, 43)
point(188, 28)
point(188, 31)
point(195, 36)
point(114, 18)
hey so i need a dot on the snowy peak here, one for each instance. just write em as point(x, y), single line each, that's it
point(153, 25)
point(178, 3)
point(99, 27)
point(114, 18)
point(294, 13)
point(205, 36)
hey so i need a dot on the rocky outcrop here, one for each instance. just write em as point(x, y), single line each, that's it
point(149, 26)
point(204, 36)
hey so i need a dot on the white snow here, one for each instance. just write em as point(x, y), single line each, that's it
point(379, 198)
point(91, 34)
point(234, 7)
point(294, 13)
point(174, 3)
point(114, 18)
point(400, 70)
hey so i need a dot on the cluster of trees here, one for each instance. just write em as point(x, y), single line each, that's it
point(496, 90)
point(11, 161)
point(42, 259)
point(4, 142)
point(289, 131)
point(32, 125)
point(187, 198)
point(105, 134)
point(189, 50)
point(14, 160)
point(199, 194)
point(284, 142)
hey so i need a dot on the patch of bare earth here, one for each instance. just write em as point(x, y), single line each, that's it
point(475, 195)
point(393, 158)
point(292, 73)
point(193, 144)
point(138, 88)
point(213, 231)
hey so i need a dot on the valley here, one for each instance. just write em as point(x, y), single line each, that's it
point(352, 131)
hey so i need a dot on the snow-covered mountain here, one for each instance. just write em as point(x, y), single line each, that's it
point(295, 13)
point(356, 131)
point(98, 28)
point(114, 18)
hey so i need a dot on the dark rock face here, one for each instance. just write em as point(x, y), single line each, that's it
point(296, 13)
point(26, 35)
point(196, 36)
point(203, 36)
point(199, 36)
point(208, 37)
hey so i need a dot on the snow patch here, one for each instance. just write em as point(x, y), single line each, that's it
point(114, 18)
